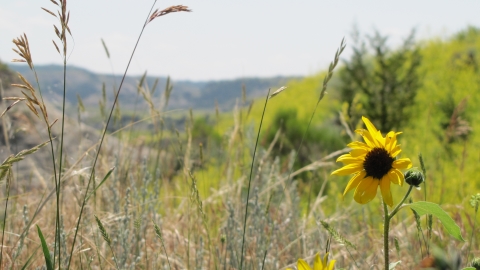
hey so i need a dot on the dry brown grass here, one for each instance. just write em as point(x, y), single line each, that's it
point(158, 13)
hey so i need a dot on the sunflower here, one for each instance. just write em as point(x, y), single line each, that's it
point(317, 264)
point(373, 164)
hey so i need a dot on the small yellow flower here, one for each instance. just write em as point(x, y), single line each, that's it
point(317, 264)
point(373, 164)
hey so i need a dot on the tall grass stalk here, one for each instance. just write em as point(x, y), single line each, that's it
point(195, 197)
point(23, 50)
point(149, 18)
point(429, 218)
point(158, 232)
point(107, 239)
point(7, 187)
point(250, 179)
point(474, 202)
point(63, 18)
point(6, 172)
point(327, 78)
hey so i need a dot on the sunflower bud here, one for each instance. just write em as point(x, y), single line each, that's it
point(414, 178)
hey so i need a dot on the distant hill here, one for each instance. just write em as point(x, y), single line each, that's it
point(185, 94)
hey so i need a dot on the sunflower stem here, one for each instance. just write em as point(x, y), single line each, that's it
point(386, 224)
point(397, 208)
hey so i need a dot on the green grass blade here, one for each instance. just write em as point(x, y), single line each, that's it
point(46, 252)
point(101, 183)
point(250, 178)
point(29, 260)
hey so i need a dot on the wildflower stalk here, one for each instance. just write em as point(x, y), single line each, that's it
point(23, 50)
point(386, 224)
point(386, 227)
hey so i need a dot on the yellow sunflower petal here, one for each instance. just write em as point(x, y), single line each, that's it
point(395, 151)
point(358, 152)
point(353, 183)
point(324, 262)
point(369, 125)
point(390, 141)
point(402, 163)
point(343, 156)
point(352, 160)
point(348, 169)
point(358, 145)
point(385, 188)
point(362, 189)
point(367, 137)
point(370, 192)
point(380, 139)
point(377, 136)
point(393, 177)
point(330, 265)
point(400, 177)
point(349, 159)
point(303, 265)
point(317, 263)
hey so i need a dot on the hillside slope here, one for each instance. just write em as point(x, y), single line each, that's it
point(185, 94)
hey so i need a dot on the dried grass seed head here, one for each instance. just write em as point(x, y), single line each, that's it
point(281, 89)
point(158, 13)
point(23, 50)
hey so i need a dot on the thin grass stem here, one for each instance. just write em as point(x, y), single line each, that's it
point(327, 78)
point(62, 132)
point(250, 179)
point(474, 225)
point(103, 136)
point(9, 179)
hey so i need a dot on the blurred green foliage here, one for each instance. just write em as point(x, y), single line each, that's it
point(446, 116)
point(318, 138)
point(380, 82)
point(203, 132)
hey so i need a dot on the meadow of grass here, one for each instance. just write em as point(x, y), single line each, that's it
point(247, 189)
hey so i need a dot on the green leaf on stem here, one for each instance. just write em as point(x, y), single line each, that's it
point(452, 228)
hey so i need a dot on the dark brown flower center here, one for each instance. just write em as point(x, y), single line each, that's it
point(377, 163)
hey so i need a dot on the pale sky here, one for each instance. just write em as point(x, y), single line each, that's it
point(223, 39)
